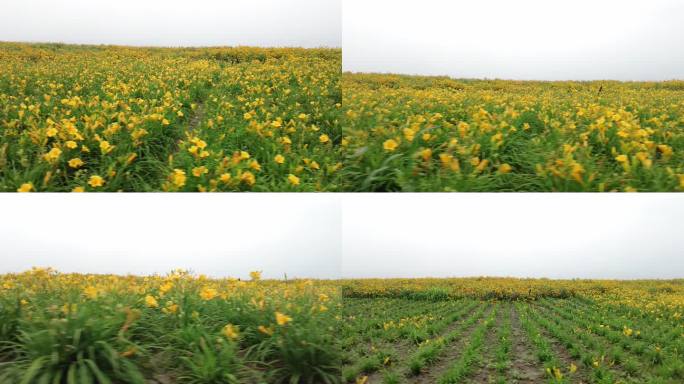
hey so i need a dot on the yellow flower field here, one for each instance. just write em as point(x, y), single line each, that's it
point(411, 133)
point(184, 328)
point(86, 118)
point(74, 328)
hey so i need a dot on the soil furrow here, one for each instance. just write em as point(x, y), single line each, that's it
point(487, 368)
point(452, 353)
point(524, 367)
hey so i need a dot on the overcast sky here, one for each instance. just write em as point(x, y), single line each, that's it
point(306, 23)
point(521, 39)
point(521, 235)
point(347, 235)
point(217, 234)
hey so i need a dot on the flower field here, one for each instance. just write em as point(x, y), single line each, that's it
point(177, 328)
point(183, 328)
point(491, 330)
point(410, 133)
point(86, 118)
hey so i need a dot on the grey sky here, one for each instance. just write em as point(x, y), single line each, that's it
point(306, 23)
point(520, 235)
point(216, 234)
point(522, 39)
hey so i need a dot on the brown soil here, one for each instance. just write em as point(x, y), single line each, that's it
point(487, 366)
point(404, 350)
point(524, 367)
point(452, 353)
point(566, 359)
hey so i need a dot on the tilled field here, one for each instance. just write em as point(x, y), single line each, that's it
point(573, 340)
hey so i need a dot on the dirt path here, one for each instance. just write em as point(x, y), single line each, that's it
point(524, 367)
point(197, 116)
point(453, 351)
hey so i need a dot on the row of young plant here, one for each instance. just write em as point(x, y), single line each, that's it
point(639, 354)
point(631, 322)
point(408, 331)
point(363, 330)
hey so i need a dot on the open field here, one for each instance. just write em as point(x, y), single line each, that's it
point(179, 328)
point(96, 118)
point(410, 133)
point(512, 331)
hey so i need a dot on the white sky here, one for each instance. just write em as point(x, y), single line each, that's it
point(521, 235)
point(347, 235)
point(306, 23)
point(521, 39)
point(214, 234)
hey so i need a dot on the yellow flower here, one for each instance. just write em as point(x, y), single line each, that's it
point(324, 138)
point(208, 293)
point(282, 319)
point(577, 172)
point(165, 287)
point(178, 177)
point(265, 330)
point(90, 292)
point(231, 331)
point(53, 155)
point(294, 180)
point(505, 168)
point(255, 275)
point(449, 162)
point(244, 155)
point(170, 307)
point(463, 128)
point(199, 171)
point(280, 159)
point(426, 154)
point(51, 132)
point(248, 178)
point(26, 187)
point(71, 144)
point(573, 368)
point(254, 164)
point(75, 162)
point(96, 181)
point(666, 150)
point(105, 147)
point(225, 177)
point(78, 189)
point(151, 302)
point(390, 145)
